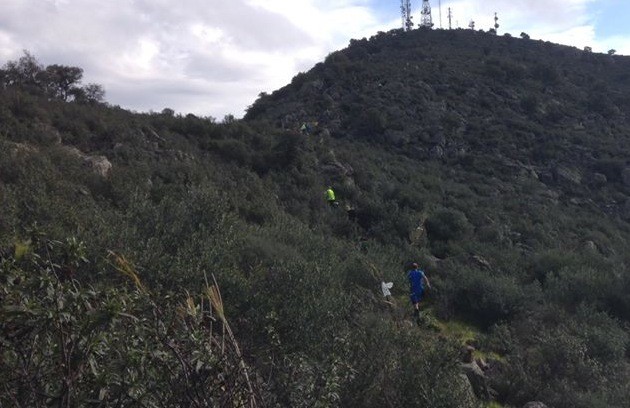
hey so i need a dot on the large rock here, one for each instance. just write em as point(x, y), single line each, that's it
point(480, 262)
point(566, 175)
point(470, 399)
point(99, 164)
point(478, 381)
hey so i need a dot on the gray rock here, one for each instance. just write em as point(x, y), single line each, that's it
point(480, 261)
point(590, 246)
point(469, 393)
point(99, 164)
point(625, 176)
point(568, 175)
point(478, 381)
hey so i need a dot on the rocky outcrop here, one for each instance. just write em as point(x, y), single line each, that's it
point(478, 380)
point(474, 371)
point(99, 164)
point(480, 261)
point(566, 175)
point(20, 149)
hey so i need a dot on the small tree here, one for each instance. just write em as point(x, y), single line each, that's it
point(26, 72)
point(612, 51)
point(91, 93)
point(168, 112)
point(60, 80)
point(94, 93)
point(524, 36)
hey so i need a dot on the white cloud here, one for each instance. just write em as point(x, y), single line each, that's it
point(570, 22)
point(214, 58)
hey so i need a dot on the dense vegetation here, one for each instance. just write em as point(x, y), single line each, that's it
point(500, 164)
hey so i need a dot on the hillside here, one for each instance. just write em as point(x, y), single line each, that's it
point(499, 164)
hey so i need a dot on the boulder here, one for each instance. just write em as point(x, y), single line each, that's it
point(480, 261)
point(469, 393)
point(418, 236)
point(468, 354)
point(566, 175)
point(590, 246)
point(478, 381)
point(100, 165)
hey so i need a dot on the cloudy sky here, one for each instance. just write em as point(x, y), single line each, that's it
point(213, 57)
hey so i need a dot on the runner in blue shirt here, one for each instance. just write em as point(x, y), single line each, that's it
point(417, 281)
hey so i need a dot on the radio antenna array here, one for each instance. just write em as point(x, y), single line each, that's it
point(405, 9)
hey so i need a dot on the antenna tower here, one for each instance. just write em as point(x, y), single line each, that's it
point(440, 7)
point(450, 18)
point(405, 9)
point(426, 21)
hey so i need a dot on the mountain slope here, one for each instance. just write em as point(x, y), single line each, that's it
point(499, 164)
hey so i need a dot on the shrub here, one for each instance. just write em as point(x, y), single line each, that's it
point(447, 225)
point(486, 299)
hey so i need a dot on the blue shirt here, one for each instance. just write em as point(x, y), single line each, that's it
point(416, 280)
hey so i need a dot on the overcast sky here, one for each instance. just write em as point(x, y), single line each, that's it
point(213, 57)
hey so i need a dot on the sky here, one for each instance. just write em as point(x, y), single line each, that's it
point(214, 57)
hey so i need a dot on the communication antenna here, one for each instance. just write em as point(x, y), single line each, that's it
point(405, 9)
point(496, 23)
point(440, 7)
point(450, 19)
point(426, 21)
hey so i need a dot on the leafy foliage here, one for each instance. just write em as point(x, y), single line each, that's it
point(499, 163)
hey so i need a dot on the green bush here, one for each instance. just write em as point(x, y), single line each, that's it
point(447, 224)
point(484, 298)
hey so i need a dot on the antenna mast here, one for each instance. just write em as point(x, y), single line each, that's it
point(405, 9)
point(450, 19)
point(440, 7)
point(426, 21)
